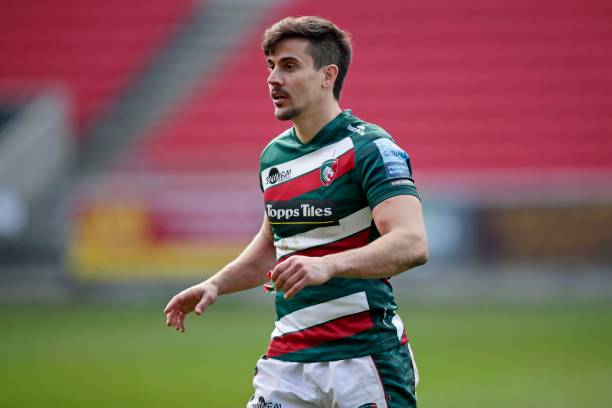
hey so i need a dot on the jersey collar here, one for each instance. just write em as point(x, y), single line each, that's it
point(328, 131)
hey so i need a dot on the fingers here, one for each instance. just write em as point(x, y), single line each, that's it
point(180, 305)
point(284, 271)
point(171, 318)
point(176, 318)
point(171, 304)
point(279, 269)
point(291, 281)
point(180, 321)
point(293, 274)
point(174, 314)
point(295, 288)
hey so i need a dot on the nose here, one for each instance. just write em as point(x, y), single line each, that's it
point(275, 78)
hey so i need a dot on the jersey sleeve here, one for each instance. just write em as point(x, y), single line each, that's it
point(383, 169)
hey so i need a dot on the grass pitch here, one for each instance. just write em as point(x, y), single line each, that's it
point(469, 356)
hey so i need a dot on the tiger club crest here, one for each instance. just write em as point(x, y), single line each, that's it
point(328, 172)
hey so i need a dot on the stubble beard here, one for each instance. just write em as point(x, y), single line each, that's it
point(287, 114)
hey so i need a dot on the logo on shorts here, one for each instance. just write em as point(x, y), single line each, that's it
point(329, 169)
point(261, 403)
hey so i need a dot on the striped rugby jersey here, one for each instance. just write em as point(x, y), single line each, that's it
point(318, 200)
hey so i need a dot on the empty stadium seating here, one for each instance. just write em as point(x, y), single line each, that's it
point(471, 86)
point(93, 49)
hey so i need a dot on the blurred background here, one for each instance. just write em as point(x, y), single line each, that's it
point(130, 134)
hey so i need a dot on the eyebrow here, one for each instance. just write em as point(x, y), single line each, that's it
point(284, 59)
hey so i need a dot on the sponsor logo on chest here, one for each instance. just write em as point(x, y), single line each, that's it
point(274, 175)
point(302, 212)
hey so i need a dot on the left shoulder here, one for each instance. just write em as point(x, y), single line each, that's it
point(369, 138)
point(364, 133)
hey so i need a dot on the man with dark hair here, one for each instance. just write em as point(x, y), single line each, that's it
point(327, 44)
point(342, 215)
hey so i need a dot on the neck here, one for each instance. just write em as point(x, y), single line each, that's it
point(309, 123)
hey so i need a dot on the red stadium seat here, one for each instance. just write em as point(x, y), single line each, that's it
point(463, 86)
point(93, 48)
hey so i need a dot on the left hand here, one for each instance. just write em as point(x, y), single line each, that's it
point(297, 272)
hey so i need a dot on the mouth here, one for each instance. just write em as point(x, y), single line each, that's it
point(278, 96)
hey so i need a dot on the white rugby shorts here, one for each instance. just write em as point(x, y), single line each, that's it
point(352, 383)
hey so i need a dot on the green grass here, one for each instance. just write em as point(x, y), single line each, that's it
point(469, 356)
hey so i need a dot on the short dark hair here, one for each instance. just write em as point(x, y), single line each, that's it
point(327, 43)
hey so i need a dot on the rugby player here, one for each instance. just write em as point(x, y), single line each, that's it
point(341, 216)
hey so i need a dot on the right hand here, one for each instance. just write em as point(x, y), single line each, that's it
point(196, 298)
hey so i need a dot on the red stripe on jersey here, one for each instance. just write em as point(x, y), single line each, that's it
point(309, 181)
point(354, 241)
point(316, 335)
point(404, 338)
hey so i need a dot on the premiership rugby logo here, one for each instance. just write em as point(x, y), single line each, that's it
point(329, 168)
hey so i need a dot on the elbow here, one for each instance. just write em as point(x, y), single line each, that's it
point(419, 252)
point(412, 251)
point(421, 256)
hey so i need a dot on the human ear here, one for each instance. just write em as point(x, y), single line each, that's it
point(330, 73)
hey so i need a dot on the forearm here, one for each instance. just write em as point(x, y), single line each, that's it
point(389, 255)
point(401, 246)
point(249, 269)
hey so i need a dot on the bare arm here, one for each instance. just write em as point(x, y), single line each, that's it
point(402, 245)
point(251, 267)
point(247, 271)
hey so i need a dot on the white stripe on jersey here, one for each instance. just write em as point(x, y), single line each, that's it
point(399, 326)
point(415, 369)
point(321, 313)
point(308, 162)
point(349, 225)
